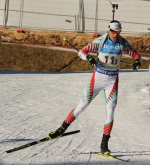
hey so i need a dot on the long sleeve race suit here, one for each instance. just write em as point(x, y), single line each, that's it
point(104, 77)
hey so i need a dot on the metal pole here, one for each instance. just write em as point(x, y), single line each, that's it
point(83, 17)
point(96, 16)
point(114, 6)
point(79, 15)
point(113, 13)
point(21, 14)
point(6, 10)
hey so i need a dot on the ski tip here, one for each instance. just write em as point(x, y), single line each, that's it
point(71, 133)
point(77, 130)
point(93, 152)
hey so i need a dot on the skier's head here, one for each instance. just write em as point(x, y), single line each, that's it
point(114, 29)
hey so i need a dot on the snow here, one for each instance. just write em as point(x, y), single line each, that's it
point(33, 104)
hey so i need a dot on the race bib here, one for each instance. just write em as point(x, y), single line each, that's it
point(109, 61)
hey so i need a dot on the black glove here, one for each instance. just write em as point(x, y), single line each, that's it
point(136, 64)
point(91, 60)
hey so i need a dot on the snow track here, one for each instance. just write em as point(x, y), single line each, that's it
point(34, 104)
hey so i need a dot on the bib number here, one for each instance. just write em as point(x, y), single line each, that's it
point(109, 61)
point(112, 60)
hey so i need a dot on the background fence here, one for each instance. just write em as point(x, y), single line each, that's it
point(75, 15)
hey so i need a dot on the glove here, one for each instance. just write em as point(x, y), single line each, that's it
point(91, 60)
point(136, 64)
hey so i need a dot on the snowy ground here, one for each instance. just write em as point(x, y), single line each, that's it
point(33, 104)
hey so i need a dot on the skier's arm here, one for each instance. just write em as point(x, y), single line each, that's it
point(137, 58)
point(129, 50)
point(83, 53)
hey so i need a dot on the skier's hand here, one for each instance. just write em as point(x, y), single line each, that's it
point(91, 60)
point(136, 64)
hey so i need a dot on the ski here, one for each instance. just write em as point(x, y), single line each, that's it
point(110, 156)
point(40, 141)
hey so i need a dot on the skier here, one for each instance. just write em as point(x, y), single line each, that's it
point(110, 47)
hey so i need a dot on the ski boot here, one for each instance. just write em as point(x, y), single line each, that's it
point(104, 145)
point(59, 132)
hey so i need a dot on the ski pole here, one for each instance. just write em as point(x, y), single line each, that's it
point(78, 51)
point(70, 44)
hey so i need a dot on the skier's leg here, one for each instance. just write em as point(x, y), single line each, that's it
point(88, 95)
point(111, 93)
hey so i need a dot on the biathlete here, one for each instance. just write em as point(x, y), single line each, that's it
point(110, 47)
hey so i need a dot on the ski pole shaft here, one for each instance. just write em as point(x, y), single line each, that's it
point(70, 44)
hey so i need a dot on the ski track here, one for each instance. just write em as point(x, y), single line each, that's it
point(32, 105)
